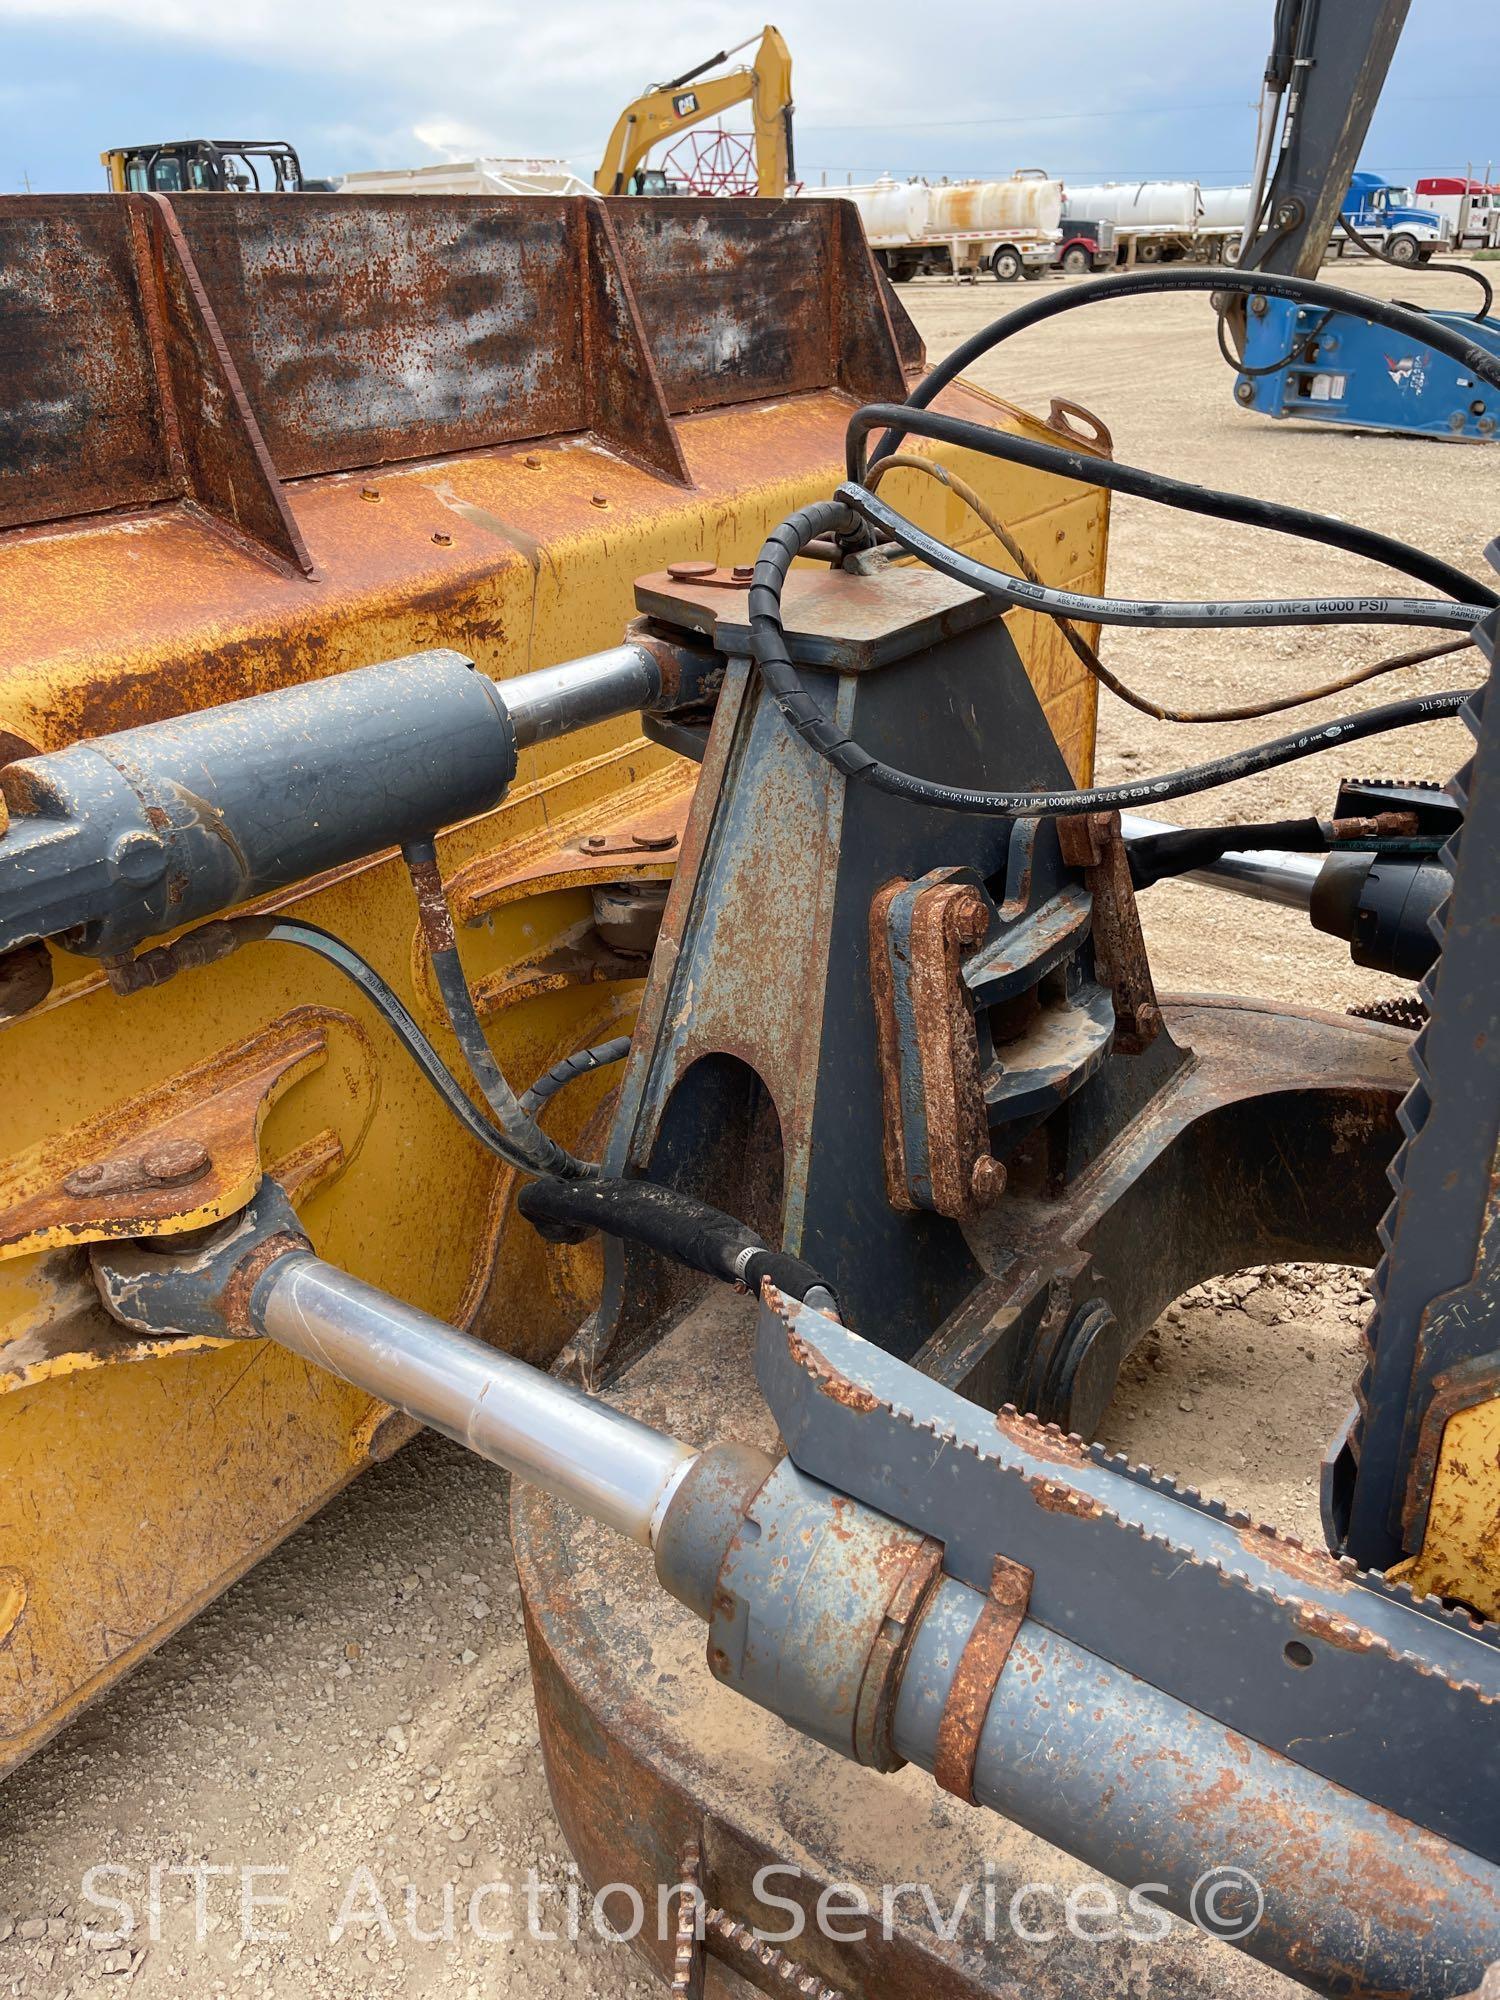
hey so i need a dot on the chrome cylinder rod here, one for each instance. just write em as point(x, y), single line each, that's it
point(603, 1462)
point(1261, 873)
point(554, 700)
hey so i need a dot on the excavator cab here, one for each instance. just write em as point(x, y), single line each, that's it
point(205, 166)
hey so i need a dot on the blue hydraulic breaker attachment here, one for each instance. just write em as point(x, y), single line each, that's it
point(1336, 369)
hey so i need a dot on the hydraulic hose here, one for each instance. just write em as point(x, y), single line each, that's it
point(579, 1063)
point(1156, 486)
point(676, 1225)
point(822, 733)
point(226, 934)
point(1165, 616)
point(1373, 249)
point(907, 461)
point(1415, 325)
point(1184, 850)
point(530, 1147)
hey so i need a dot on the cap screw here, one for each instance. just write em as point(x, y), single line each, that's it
point(176, 1160)
point(971, 918)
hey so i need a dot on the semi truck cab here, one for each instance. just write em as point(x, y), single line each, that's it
point(1389, 217)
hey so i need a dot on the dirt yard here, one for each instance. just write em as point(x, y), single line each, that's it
point(362, 1700)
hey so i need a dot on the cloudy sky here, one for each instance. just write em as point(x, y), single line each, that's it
point(1096, 88)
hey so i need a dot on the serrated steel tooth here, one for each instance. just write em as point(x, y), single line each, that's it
point(1411, 1113)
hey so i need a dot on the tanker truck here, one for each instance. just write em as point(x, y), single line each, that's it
point(1010, 228)
point(1154, 221)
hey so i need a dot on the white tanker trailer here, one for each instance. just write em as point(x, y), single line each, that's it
point(1009, 228)
point(1158, 220)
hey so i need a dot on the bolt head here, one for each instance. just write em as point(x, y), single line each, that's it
point(971, 918)
point(1244, 392)
point(175, 1160)
point(987, 1181)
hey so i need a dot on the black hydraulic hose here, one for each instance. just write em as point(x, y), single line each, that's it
point(1407, 320)
point(1373, 249)
point(530, 1147)
point(225, 934)
point(1141, 485)
point(1163, 615)
point(579, 1063)
point(822, 733)
point(674, 1224)
point(1294, 353)
point(1157, 857)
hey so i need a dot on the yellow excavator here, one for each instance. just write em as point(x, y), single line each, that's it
point(667, 109)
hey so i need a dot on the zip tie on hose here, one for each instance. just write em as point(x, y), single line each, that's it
point(1163, 616)
point(768, 644)
point(1181, 494)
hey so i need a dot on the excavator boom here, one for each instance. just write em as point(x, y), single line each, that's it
point(668, 109)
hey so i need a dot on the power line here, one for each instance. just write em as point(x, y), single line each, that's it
point(1035, 118)
point(1111, 111)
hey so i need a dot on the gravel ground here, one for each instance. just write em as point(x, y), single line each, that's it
point(361, 1701)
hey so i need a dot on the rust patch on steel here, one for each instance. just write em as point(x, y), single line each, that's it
point(947, 921)
point(225, 463)
point(1286, 1553)
point(94, 1182)
point(1040, 1440)
point(978, 1675)
point(1343, 1633)
point(626, 404)
point(888, 1046)
point(827, 1380)
point(1062, 415)
point(946, 924)
point(234, 1298)
point(1094, 843)
point(642, 842)
point(771, 298)
point(1058, 1499)
point(433, 912)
